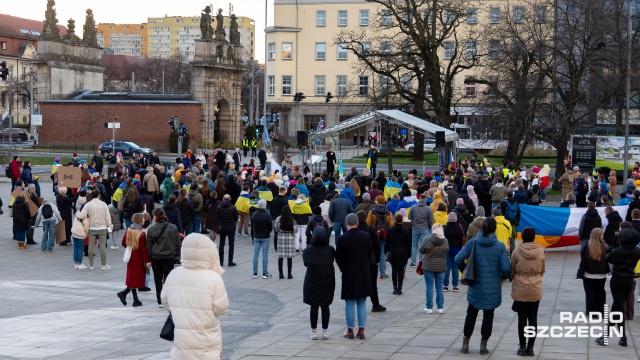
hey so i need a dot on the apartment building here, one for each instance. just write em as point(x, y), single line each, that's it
point(123, 39)
point(302, 57)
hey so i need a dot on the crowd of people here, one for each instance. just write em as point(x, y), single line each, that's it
point(435, 223)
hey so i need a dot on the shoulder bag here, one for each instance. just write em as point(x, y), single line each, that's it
point(167, 329)
point(419, 270)
point(469, 273)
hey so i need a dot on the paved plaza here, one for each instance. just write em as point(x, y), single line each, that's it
point(48, 310)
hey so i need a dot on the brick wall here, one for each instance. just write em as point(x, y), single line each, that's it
point(145, 124)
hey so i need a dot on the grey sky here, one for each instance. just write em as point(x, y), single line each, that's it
point(137, 11)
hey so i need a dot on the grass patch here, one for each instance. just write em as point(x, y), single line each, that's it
point(613, 165)
point(44, 160)
point(404, 158)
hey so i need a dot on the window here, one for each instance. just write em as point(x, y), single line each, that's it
point(494, 15)
point(449, 16)
point(385, 47)
point(406, 82)
point(287, 51)
point(321, 51)
point(321, 18)
point(385, 17)
point(363, 85)
point(342, 51)
point(272, 51)
point(342, 18)
point(364, 17)
point(470, 86)
point(449, 49)
point(286, 85)
point(4, 45)
point(493, 79)
point(321, 85)
point(271, 80)
point(472, 16)
point(518, 14)
point(541, 14)
point(385, 84)
point(341, 82)
point(470, 50)
point(364, 49)
point(494, 49)
point(179, 20)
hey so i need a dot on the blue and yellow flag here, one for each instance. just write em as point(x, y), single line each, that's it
point(340, 168)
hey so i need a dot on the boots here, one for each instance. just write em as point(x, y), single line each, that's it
point(360, 333)
point(522, 350)
point(289, 265)
point(136, 302)
point(349, 334)
point(483, 347)
point(465, 345)
point(20, 245)
point(529, 351)
point(123, 296)
point(280, 261)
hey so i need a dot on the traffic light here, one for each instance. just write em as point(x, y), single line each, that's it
point(311, 130)
point(173, 123)
point(4, 70)
point(182, 130)
point(257, 129)
point(299, 97)
point(329, 97)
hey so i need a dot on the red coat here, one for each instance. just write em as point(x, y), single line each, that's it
point(135, 267)
point(15, 170)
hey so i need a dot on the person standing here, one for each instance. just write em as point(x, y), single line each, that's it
point(319, 280)
point(65, 205)
point(21, 217)
point(374, 262)
point(338, 211)
point(434, 264)
point(50, 216)
point(421, 218)
point(187, 211)
point(287, 230)
point(331, 161)
point(79, 232)
point(14, 169)
point(97, 159)
point(211, 215)
point(566, 180)
point(353, 256)
point(492, 266)
point(99, 226)
point(227, 219)
point(398, 246)
point(527, 269)
point(262, 156)
point(198, 204)
point(162, 244)
point(381, 219)
point(373, 155)
point(261, 226)
point(454, 233)
point(589, 221)
point(254, 146)
point(135, 240)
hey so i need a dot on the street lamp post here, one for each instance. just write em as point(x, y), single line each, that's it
point(625, 173)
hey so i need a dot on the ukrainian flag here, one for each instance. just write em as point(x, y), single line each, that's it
point(242, 204)
point(265, 194)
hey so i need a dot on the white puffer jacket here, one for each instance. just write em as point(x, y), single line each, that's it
point(196, 296)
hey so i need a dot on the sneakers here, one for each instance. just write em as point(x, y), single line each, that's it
point(440, 311)
point(106, 267)
point(81, 267)
point(455, 289)
point(91, 267)
point(314, 335)
point(428, 311)
point(255, 275)
point(160, 306)
point(75, 266)
point(113, 247)
point(378, 308)
point(445, 289)
point(246, 235)
point(238, 234)
point(266, 276)
point(145, 289)
point(325, 334)
point(413, 265)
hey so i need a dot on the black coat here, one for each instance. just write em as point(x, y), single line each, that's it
point(211, 214)
point(331, 161)
point(274, 189)
point(234, 190)
point(173, 214)
point(316, 193)
point(320, 279)
point(227, 216)
point(398, 244)
point(453, 233)
point(21, 214)
point(352, 256)
point(187, 212)
point(277, 204)
point(261, 224)
point(375, 241)
point(613, 226)
point(625, 257)
point(589, 221)
point(220, 160)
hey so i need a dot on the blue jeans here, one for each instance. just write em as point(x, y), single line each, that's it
point(338, 229)
point(127, 222)
point(21, 235)
point(78, 249)
point(48, 234)
point(196, 224)
point(429, 277)
point(261, 243)
point(383, 261)
point(417, 236)
point(351, 305)
point(451, 267)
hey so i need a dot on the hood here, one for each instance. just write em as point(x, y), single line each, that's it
point(531, 251)
point(320, 236)
point(592, 213)
point(422, 203)
point(381, 209)
point(437, 240)
point(409, 199)
point(499, 185)
point(486, 241)
point(614, 216)
point(603, 186)
point(200, 253)
point(318, 184)
point(478, 221)
point(318, 218)
point(629, 238)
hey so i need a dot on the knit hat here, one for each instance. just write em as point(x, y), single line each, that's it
point(137, 176)
point(459, 201)
point(380, 199)
point(496, 212)
point(262, 204)
point(352, 219)
point(292, 182)
point(75, 155)
point(57, 159)
point(576, 168)
point(480, 211)
point(428, 173)
point(167, 176)
point(285, 178)
point(366, 197)
point(437, 196)
point(452, 217)
point(437, 230)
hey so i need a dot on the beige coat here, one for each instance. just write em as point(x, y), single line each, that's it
point(196, 296)
point(527, 269)
point(151, 182)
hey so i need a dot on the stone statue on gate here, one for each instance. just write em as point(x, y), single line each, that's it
point(234, 34)
point(89, 30)
point(51, 31)
point(205, 24)
point(71, 32)
point(220, 33)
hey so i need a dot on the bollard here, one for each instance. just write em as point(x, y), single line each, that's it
point(424, 168)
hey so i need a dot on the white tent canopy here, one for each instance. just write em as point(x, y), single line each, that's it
point(395, 117)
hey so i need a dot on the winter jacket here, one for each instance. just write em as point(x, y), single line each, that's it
point(348, 194)
point(196, 199)
point(625, 257)
point(352, 256)
point(195, 295)
point(421, 216)
point(398, 244)
point(339, 209)
point(115, 218)
point(492, 266)
point(165, 246)
point(437, 199)
point(21, 214)
point(151, 183)
point(98, 214)
point(527, 269)
point(382, 214)
point(173, 214)
point(56, 214)
point(315, 221)
point(234, 190)
point(375, 241)
point(187, 212)
point(27, 177)
point(504, 231)
point(520, 196)
point(131, 208)
point(438, 248)
point(227, 216)
point(278, 203)
point(475, 227)
point(319, 281)
point(393, 206)
point(589, 221)
point(613, 226)
point(440, 217)
point(463, 216)
point(365, 206)
point(211, 214)
point(454, 234)
point(261, 224)
point(168, 186)
point(591, 266)
point(316, 193)
point(80, 228)
point(498, 192)
point(566, 180)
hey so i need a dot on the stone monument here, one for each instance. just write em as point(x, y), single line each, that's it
point(220, 33)
point(89, 30)
point(71, 37)
point(51, 31)
point(234, 34)
point(205, 24)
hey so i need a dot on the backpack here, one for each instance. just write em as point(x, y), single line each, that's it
point(511, 211)
point(7, 171)
point(581, 186)
point(535, 198)
point(47, 211)
point(381, 227)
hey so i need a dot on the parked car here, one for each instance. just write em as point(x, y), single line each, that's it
point(16, 135)
point(127, 148)
point(429, 146)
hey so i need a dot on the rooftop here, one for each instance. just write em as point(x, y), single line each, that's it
point(23, 28)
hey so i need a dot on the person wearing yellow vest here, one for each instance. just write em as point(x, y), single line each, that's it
point(254, 146)
point(301, 212)
point(242, 205)
point(503, 229)
point(245, 146)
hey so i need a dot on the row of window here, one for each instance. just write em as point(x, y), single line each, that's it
point(320, 85)
point(126, 27)
point(472, 16)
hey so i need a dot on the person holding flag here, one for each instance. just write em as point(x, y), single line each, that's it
point(331, 161)
point(372, 156)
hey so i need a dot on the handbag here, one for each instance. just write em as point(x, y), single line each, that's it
point(419, 270)
point(167, 329)
point(127, 255)
point(469, 273)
